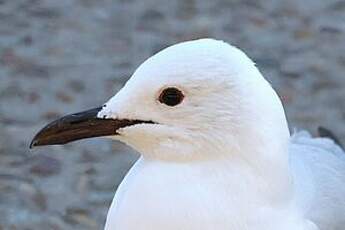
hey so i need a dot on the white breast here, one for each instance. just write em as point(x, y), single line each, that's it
point(156, 195)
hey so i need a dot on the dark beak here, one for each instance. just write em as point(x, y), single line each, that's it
point(80, 126)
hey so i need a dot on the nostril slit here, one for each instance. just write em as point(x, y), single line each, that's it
point(104, 105)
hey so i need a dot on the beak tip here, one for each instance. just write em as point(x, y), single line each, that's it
point(33, 144)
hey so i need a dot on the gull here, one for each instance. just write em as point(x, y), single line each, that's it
point(216, 151)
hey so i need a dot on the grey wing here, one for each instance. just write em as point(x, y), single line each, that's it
point(323, 132)
point(318, 167)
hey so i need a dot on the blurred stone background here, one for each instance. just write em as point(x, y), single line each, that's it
point(58, 57)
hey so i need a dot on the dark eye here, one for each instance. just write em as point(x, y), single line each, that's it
point(171, 96)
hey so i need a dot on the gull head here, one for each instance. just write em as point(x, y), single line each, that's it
point(194, 100)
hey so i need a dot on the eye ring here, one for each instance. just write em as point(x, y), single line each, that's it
point(171, 96)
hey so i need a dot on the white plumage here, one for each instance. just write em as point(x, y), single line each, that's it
point(222, 159)
point(318, 168)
